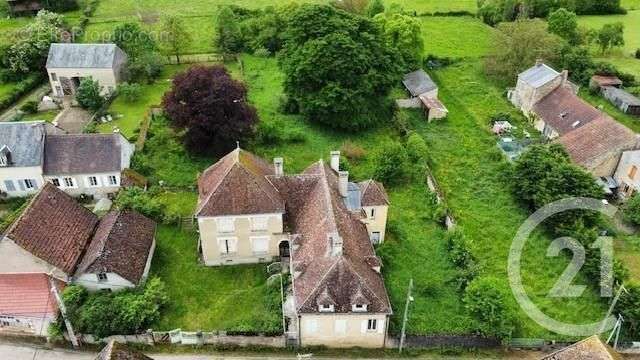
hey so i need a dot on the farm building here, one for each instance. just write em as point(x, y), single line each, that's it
point(434, 108)
point(68, 64)
point(600, 81)
point(623, 100)
point(420, 83)
point(24, 7)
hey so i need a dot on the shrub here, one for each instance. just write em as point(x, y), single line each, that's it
point(352, 151)
point(275, 132)
point(485, 299)
point(262, 52)
point(130, 92)
point(462, 258)
point(631, 209)
point(390, 164)
point(88, 94)
point(638, 53)
point(30, 107)
point(417, 149)
point(137, 199)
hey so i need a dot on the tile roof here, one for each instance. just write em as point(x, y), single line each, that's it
point(564, 111)
point(418, 83)
point(591, 348)
point(117, 351)
point(237, 185)
point(373, 193)
point(538, 75)
point(317, 215)
point(54, 228)
point(603, 80)
point(432, 103)
point(592, 143)
point(122, 244)
point(25, 141)
point(27, 295)
point(83, 154)
point(89, 56)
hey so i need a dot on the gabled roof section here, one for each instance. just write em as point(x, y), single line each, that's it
point(87, 56)
point(122, 244)
point(25, 140)
point(237, 185)
point(54, 228)
point(28, 295)
point(373, 193)
point(418, 83)
point(538, 75)
point(565, 111)
point(83, 154)
point(591, 348)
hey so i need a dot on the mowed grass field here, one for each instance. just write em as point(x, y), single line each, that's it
point(456, 37)
point(622, 57)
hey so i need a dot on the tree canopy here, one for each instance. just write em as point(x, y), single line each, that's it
point(212, 108)
point(338, 67)
point(141, 48)
point(564, 23)
point(175, 37)
point(403, 33)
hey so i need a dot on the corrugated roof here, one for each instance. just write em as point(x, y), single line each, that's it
point(91, 56)
point(25, 141)
point(622, 95)
point(418, 82)
point(538, 75)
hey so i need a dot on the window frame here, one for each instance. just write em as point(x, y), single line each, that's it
point(71, 180)
point(372, 325)
point(54, 76)
point(326, 308)
point(259, 219)
point(222, 229)
point(91, 179)
point(56, 182)
point(223, 244)
point(254, 239)
point(11, 187)
point(29, 184)
point(112, 180)
point(102, 277)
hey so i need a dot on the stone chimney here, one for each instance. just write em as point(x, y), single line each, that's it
point(539, 62)
point(335, 160)
point(336, 244)
point(278, 166)
point(565, 77)
point(343, 183)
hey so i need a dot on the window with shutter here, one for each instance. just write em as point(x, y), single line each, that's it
point(260, 244)
point(9, 185)
point(228, 246)
point(226, 225)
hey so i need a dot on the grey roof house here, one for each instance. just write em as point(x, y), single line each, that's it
point(419, 82)
point(68, 64)
point(32, 153)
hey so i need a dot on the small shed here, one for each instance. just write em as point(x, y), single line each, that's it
point(419, 83)
point(623, 100)
point(434, 108)
point(24, 7)
point(600, 81)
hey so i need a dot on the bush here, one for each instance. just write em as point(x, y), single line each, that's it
point(88, 95)
point(30, 107)
point(352, 151)
point(262, 52)
point(130, 92)
point(631, 210)
point(638, 53)
point(142, 201)
point(417, 149)
point(462, 258)
point(390, 164)
point(486, 301)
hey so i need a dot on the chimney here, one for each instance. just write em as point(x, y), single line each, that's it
point(278, 165)
point(335, 160)
point(565, 77)
point(336, 244)
point(539, 62)
point(343, 183)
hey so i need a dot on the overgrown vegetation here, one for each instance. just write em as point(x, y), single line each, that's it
point(89, 94)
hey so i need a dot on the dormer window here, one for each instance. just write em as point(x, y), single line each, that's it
point(326, 308)
point(359, 308)
point(5, 156)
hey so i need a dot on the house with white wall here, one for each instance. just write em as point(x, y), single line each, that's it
point(627, 174)
point(68, 64)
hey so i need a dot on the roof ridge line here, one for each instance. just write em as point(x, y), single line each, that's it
point(199, 208)
point(313, 291)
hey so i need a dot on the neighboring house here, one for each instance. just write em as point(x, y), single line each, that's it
point(32, 153)
point(27, 305)
point(597, 82)
point(623, 100)
point(534, 84)
point(68, 64)
point(627, 174)
point(58, 236)
point(249, 211)
point(24, 7)
point(119, 256)
point(117, 351)
point(424, 89)
point(591, 348)
point(598, 146)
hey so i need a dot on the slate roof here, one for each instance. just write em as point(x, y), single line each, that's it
point(117, 351)
point(622, 96)
point(25, 140)
point(564, 111)
point(122, 244)
point(418, 82)
point(592, 143)
point(54, 228)
point(237, 185)
point(373, 193)
point(316, 213)
point(591, 348)
point(82, 154)
point(89, 56)
point(538, 75)
point(27, 295)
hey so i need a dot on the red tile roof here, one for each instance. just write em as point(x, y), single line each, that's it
point(564, 111)
point(54, 228)
point(27, 295)
point(237, 185)
point(591, 348)
point(595, 142)
point(373, 193)
point(122, 245)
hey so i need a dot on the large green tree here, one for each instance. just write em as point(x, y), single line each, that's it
point(145, 62)
point(338, 67)
point(175, 37)
point(564, 23)
point(610, 36)
point(403, 33)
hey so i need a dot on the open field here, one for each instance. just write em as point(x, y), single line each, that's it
point(620, 57)
point(457, 37)
point(631, 4)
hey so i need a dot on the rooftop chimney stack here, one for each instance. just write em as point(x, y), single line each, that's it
point(336, 244)
point(565, 77)
point(539, 62)
point(278, 165)
point(335, 161)
point(343, 183)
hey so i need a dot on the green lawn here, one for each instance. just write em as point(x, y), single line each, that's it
point(47, 116)
point(631, 4)
point(457, 37)
point(211, 298)
point(471, 172)
point(622, 58)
